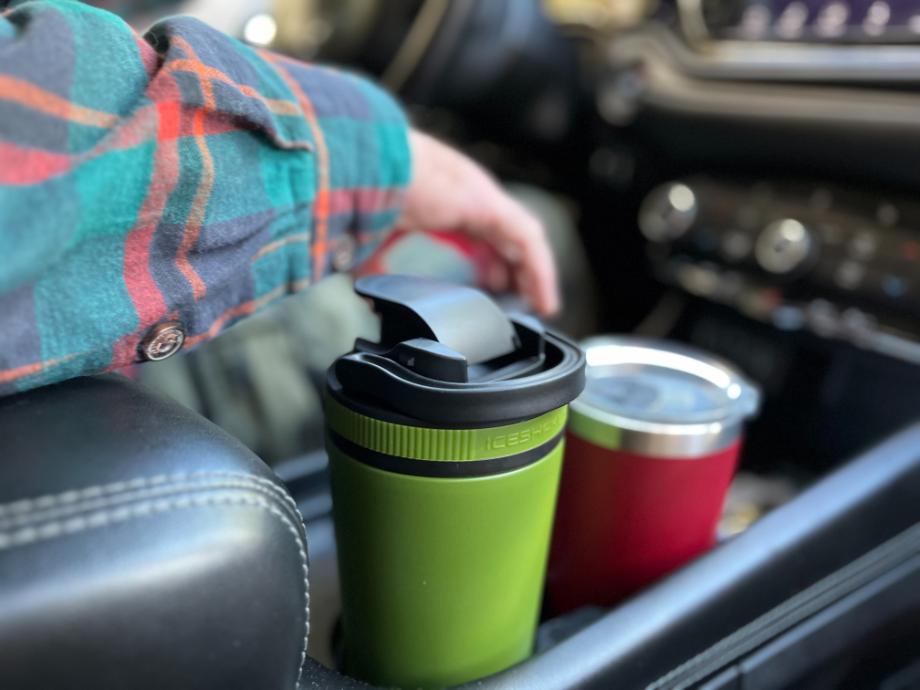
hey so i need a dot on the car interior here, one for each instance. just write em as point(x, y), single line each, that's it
point(738, 176)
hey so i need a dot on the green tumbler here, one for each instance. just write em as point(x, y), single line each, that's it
point(445, 445)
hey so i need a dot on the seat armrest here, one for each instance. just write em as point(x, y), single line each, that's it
point(142, 548)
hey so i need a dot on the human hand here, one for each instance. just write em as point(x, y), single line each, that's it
point(450, 192)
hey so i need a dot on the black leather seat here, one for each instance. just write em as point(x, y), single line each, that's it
point(142, 548)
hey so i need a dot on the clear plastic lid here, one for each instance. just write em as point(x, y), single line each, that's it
point(659, 381)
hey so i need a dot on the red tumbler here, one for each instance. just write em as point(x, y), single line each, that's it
point(650, 452)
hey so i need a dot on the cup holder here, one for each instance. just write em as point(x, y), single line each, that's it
point(830, 577)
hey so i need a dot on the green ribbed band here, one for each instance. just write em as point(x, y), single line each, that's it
point(457, 445)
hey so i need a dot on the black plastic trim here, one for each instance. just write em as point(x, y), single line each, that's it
point(444, 404)
point(444, 468)
point(863, 572)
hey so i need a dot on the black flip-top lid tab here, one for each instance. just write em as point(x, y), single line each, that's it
point(448, 355)
point(460, 318)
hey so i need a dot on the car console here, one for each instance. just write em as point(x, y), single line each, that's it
point(826, 581)
point(135, 534)
point(841, 263)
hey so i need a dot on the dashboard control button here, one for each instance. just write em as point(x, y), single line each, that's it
point(668, 212)
point(857, 323)
point(698, 280)
point(736, 245)
point(823, 318)
point(863, 245)
point(894, 286)
point(791, 22)
point(831, 21)
point(788, 317)
point(877, 17)
point(759, 303)
point(849, 275)
point(887, 214)
point(783, 246)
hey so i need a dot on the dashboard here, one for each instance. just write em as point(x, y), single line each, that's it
point(777, 145)
point(796, 146)
point(837, 262)
point(811, 21)
point(757, 160)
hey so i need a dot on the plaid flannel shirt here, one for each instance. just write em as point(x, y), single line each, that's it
point(182, 176)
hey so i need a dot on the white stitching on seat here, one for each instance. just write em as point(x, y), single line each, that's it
point(96, 490)
point(101, 518)
point(48, 510)
point(305, 560)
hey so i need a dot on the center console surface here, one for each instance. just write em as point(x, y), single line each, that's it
point(834, 573)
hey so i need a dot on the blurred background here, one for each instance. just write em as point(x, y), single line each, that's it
point(735, 174)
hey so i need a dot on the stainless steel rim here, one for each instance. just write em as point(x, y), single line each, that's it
point(677, 438)
point(669, 441)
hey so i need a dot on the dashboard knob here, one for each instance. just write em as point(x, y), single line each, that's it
point(783, 246)
point(668, 212)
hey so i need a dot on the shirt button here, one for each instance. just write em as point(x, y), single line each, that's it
point(343, 256)
point(162, 341)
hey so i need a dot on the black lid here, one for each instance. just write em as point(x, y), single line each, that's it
point(449, 356)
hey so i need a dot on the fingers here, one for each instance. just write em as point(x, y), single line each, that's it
point(496, 276)
point(522, 242)
point(450, 191)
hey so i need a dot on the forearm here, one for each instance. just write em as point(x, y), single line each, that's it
point(182, 177)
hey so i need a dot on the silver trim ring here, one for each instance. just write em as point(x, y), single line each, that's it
point(666, 441)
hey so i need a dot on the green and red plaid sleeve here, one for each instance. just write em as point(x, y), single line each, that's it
point(181, 176)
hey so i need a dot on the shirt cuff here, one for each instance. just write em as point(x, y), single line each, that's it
point(361, 162)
